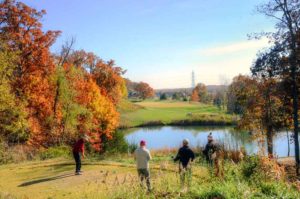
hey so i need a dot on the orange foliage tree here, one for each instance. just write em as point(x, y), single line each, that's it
point(99, 87)
point(260, 106)
point(144, 90)
point(195, 96)
point(63, 94)
point(21, 29)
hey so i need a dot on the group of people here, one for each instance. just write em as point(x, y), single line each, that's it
point(185, 156)
point(142, 155)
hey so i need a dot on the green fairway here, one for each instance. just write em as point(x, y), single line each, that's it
point(166, 112)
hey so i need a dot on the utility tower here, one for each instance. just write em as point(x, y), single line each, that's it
point(193, 79)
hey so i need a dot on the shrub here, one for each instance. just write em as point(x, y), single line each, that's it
point(117, 144)
point(15, 153)
point(55, 152)
point(212, 195)
point(3, 152)
point(132, 147)
point(250, 165)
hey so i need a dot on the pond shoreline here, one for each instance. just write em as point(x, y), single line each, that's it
point(183, 123)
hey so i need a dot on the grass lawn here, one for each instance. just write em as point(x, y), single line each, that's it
point(166, 112)
point(100, 179)
point(109, 179)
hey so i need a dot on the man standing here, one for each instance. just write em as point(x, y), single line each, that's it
point(210, 149)
point(185, 156)
point(213, 153)
point(142, 157)
point(78, 151)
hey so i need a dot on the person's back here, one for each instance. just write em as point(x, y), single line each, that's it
point(142, 156)
point(185, 155)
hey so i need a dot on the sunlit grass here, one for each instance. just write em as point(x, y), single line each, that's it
point(111, 179)
point(167, 112)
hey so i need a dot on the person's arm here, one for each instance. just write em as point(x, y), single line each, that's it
point(149, 156)
point(177, 156)
point(192, 156)
point(82, 149)
point(205, 151)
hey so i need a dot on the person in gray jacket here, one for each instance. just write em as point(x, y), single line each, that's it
point(142, 157)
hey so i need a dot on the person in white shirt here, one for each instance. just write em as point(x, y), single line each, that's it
point(142, 157)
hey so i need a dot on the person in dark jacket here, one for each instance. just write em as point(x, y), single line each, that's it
point(213, 154)
point(185, 156)
point(78, 152)
point(210, 150)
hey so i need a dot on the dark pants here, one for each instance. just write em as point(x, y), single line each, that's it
point(77, 160)
point(145, 174)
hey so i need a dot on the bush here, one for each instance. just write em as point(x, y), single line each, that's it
point(15, 153)
point(4, 158)
point(250, 165)
point(277, 190)
point(117, 144)
point(132, 147)
point(55, 152)
point(212, 195)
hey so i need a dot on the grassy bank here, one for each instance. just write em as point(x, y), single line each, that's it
point(118, 179)
point(149, 113)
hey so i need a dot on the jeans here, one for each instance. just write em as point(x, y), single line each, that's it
point(145, 174)
point(77, 160)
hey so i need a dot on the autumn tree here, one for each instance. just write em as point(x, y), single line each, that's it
point(21, 30)
point(107, 75)
point(286, 39)
point(144, 90)
point(259, 105)
point(200, 94)
point(195, 95)
point(13, 123)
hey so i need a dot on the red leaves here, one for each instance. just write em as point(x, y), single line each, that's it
point(92, 87)
point(144, 90)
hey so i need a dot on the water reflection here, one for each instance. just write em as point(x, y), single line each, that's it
point(171, 137)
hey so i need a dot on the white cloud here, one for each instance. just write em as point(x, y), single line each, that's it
point(235, 47)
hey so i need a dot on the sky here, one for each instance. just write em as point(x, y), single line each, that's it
point(162, 41)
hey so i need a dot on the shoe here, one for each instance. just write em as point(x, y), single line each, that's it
point(77, 173)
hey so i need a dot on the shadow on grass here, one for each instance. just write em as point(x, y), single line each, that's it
point(25, 184)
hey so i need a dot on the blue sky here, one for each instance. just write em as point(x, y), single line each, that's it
point(162, 41)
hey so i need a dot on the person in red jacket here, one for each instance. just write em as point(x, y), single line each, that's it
point(78, 151)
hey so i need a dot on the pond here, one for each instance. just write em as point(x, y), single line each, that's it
point(171, 137)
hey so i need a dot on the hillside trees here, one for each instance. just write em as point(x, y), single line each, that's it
point(49, 99)
point(97, 88)
point(21, 30)
point(13, 124)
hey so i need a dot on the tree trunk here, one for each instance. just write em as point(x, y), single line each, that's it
point(295, 117)
point(288, 142)
point(270, 142)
